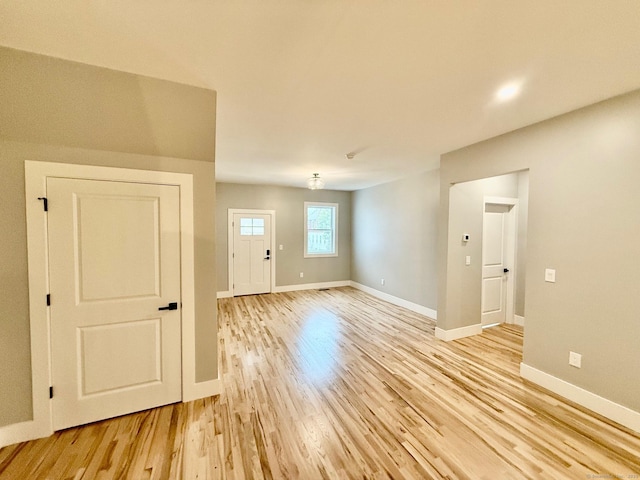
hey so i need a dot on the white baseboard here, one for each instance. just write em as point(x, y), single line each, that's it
point(22, 432)
point(401, 302)
point(311, 286)
point(295, 288)
point(25, 431)
point(456, 333)
point(613, 411)
point(518, 320)
point(199, 390)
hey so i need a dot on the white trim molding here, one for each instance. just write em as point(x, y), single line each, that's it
point(36, 174)
point(311, 286)
point(510, 251)
point(607, 408)
point(334, 229)
point(22, 432)
point(210, 388)
point(225, 294)
point(401, 302)
point(456, 333)
point(518, 320)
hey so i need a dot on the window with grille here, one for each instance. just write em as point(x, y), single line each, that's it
point(320, 229)
point(251, 226)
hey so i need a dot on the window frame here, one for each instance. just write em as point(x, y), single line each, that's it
point(335, 207)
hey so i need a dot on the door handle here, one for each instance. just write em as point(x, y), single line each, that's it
point(171, 306)
point(506, 270)
point(268, 257)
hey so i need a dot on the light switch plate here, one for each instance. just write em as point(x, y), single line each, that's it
point(467, 260)
point(575, 359)
point(550, 275)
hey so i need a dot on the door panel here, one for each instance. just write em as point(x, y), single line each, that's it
point(492, 294)
point(494, 285)
point(137, 343)
point(493, 241)
point(251, 263)
point(112, 265)
point(259, 253)
point(114, 254)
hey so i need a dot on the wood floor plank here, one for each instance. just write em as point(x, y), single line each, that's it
point(337, 384)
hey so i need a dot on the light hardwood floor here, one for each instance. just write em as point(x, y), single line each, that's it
point(337, 384)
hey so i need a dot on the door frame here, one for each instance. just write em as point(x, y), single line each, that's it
point(230, 247)
point(36, 174)
point(512, 233)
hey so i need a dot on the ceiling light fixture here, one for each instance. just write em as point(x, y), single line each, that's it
point(315, 182)
point(508, 91)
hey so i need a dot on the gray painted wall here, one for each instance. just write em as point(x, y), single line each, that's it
point(466, 216)
point(583, 221)
point(59, 111)
point(521, 248)
point(289, 206)
point(394, 237)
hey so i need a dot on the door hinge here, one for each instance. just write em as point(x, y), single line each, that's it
point(50, 392)
point(48, 299)
point(45, 203)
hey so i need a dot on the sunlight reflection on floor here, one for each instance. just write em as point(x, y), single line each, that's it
point(318, 347)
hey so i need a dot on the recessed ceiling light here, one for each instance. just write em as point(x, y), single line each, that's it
point(508, 91)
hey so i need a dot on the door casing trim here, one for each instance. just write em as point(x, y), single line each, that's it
point(249, 211)
point(36, 174)
point(511, 253)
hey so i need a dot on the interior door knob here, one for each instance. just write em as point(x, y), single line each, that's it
point(506, 270)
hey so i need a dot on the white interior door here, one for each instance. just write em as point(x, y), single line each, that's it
point(251, 253)
point(114, 254)
point(497, 246)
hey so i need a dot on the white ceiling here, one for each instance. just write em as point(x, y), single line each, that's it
point(302, 83)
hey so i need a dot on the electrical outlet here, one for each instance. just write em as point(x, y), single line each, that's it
point(575, 359)
point(382, 281)
point(301, 274)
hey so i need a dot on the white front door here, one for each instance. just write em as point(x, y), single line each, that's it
point(497, 243)
point(251, 253)
point(114, 255)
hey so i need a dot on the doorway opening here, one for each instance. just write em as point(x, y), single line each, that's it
point(499, 235)
point(487, 249)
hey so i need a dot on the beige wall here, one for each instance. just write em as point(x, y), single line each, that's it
point(59, 111)
point(583, 221)
point(394, 237)
point(289, 206)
